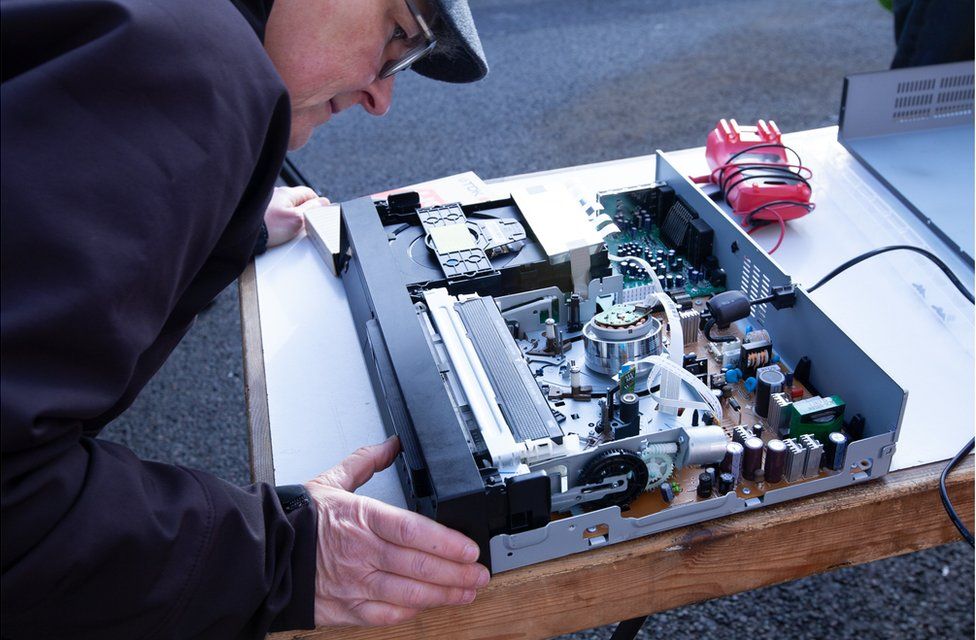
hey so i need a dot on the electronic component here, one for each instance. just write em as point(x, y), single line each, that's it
point(667, 493)
point(769, 380)
point(756, 351)
point(796, 457)
point(689, 326)
point(621, 334)
point(732, 462)
point(704, 485)
point(816, 416)
point(779, 414)
point(726, 483)
point(741, 433)
point(811, 465)
point(751, 457)
point(728, 307)
point(835, 451)
point(696, 366)
point(627, 378)
point(775, 460)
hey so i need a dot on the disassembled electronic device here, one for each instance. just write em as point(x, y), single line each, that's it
point(567, 374)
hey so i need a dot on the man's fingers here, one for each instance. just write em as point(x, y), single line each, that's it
point(300, 195)
point(414, 594)
point(409, 529)
point(427, 567)
point(358, 467)
point(381, 614)
point(311, 205)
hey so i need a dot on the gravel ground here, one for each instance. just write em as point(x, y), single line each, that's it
point(573, 82)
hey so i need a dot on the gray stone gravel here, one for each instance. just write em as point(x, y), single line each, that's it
point(577, 81)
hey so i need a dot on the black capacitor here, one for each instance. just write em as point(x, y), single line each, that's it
point(757, 430)
point(751, 457)
point(679, 263)
point(718, 278)
point(667, 493)
point(768, 382)
point(661, 254)
point(629, 413)
point(835, 450)
point(574, 323)
point(679, 280)
point(704, 485)
point(726, 483)
point(775, 460)
point(669, 282)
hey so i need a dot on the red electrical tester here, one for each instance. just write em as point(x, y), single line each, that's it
point(761, 179)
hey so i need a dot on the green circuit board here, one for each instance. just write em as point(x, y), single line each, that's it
point(624, 204)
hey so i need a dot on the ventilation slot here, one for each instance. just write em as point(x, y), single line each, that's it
point(946, 97)
point(755, 284)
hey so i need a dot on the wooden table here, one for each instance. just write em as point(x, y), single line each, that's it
point(897, 514)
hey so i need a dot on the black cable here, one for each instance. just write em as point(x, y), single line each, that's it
point(709, 325)
point(874, 252)
point(966, 534)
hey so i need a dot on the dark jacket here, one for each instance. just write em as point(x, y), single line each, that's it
point(140, 143)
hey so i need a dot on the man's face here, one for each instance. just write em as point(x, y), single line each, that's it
point(329, 54)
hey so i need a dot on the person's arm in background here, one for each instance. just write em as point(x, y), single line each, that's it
point(140, 145)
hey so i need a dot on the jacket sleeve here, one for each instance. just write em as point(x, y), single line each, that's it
point(140, 146)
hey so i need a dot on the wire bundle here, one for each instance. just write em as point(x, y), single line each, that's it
point(732, 174)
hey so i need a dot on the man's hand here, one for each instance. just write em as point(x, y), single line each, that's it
point(377, 564)
point(285, 215)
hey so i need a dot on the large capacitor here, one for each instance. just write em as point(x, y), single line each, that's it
point(751, 457)
point(835, 451)
point(775, 460)
point(732, 463)
point(768, 382)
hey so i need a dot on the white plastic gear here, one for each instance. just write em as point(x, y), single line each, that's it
point(659, 459)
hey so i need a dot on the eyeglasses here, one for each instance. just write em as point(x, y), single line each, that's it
point(415, 53)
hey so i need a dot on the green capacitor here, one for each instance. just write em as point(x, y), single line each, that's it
point(816, 416)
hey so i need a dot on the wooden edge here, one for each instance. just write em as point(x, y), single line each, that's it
point(894, 515)
point(255, 383)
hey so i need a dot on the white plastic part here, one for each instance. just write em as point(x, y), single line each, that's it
point(661, 365)
point(505, 452)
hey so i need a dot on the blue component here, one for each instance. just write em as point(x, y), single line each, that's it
point(733, 375)
point(774, 359)
point(748, 328)
point(750, 384)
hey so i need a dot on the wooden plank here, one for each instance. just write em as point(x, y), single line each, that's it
point(897, 514)
point(255, 384)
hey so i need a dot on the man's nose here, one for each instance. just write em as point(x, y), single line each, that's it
point(378, 96)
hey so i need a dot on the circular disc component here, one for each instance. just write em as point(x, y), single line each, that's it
point(616, 462)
